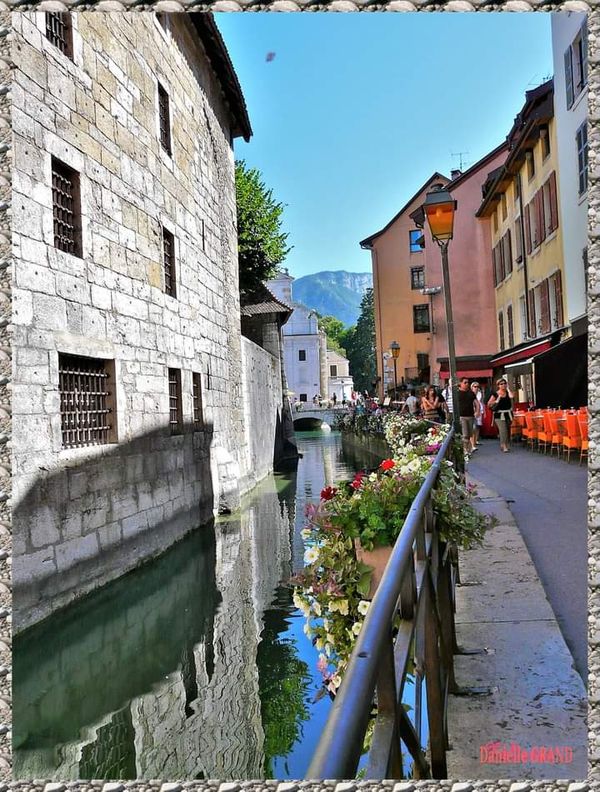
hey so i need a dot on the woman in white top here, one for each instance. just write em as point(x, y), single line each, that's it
point(479, 410)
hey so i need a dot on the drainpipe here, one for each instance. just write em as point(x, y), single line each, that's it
point(524, 254)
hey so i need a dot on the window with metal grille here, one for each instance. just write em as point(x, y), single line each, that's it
point(86, 401)
point(164, 120)
point(169, 262)
point(175, 407)
point(197, 398)
point(59, 31)
point(417, 277)
point(66, 208)
point(421, 318)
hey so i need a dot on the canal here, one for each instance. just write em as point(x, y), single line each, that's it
point(194, 666)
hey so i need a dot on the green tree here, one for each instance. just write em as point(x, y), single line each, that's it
point(334, 330)
point(261, 244)
point(359, 343)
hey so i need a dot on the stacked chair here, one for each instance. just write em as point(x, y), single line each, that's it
point(563, 431)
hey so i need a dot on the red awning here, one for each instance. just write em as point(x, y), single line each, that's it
point(513, 357)
point(471, 373)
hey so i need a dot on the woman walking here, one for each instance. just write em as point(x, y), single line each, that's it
point(430, 405)
point(500, 403)
point(479, 411)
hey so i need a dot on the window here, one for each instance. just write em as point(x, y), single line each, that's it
point(417, 277)
point(86, 401)
point(59, 31)
point(203, 234)
point(197, 401)
point(503, 205)
point(532, 329)
point(542, 296)
point(517, 189)
point(164, 120)
point(303, 397)
point(495, 221)
point(576, 57)
point(519, 240)
point(501, 329)
point(333, 371)
point(545, 136)
point(523, 315)
point(530, 164)
point(302, 354)
point(421, 318)
point(507, 251)
point(510, 324)
point(169, 263)
point(175, 408)
point(582, 157)
point(417, 240)
point(556, 302)
point(66, 208)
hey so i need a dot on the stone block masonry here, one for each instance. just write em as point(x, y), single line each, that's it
point(86, 515)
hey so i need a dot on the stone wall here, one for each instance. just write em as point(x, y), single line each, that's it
point(85, 515)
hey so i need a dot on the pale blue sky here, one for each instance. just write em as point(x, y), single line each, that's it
point(356, 110)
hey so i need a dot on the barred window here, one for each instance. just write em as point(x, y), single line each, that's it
point(169, 262)
point(59, 31)
point(66, 208)
point(197, 394)
point(175, 407)
point(86, 401)
point(164, 119)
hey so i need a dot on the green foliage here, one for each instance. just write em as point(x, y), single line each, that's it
point(359, 343)
point(261, 244)
point(334, 330)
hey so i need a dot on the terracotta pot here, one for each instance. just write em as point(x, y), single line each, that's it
point(377, 559)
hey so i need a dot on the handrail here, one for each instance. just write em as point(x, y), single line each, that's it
point(340, 747)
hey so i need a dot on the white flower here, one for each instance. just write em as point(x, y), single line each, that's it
point(311, 555)
point(328, 649)
point(336, 680)
point(363, 607)
point(340, 605)
point(307, 630)
point(356, 627)
point(330, 640)
point(316, 608)
point(326, 625)
point(320, 643)
point(305, 533)
point(373, 477)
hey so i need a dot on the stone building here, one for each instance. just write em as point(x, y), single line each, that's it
point(130, 367)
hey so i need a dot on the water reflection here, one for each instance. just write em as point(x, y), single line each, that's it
point(194, 666)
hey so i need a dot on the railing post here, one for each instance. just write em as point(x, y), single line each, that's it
point(387, 706)
point(435, 692)
point(447, 625)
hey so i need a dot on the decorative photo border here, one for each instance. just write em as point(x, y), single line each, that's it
point(592, 8)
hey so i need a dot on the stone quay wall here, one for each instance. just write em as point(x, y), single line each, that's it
point(83, 516)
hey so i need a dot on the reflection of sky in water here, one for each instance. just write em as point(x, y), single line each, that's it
point(196, 665)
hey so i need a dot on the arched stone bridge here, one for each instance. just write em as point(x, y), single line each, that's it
point(312, 417)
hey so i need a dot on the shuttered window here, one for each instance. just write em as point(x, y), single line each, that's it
point(510, 323)
point(527, 229)
point(518, 240)
point(557, 299)
point(508, 263)
point(576, 66)
point(582, 158)
point(501, 330)
point(532, 319)
point(553, 201)
point(544, 297)
point(495, 264)
point(569, 78)
point(501, 262)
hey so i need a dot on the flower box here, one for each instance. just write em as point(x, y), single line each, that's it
point(377, 559)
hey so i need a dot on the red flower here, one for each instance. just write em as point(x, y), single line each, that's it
point(328, 493)
point(387, 464)
point(357, 480)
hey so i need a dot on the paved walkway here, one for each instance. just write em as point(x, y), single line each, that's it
point(537, 698)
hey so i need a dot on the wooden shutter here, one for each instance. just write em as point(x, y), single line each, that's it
point(553, 201)
point(557, 278)
point(508, 250)
point(502, 272)
point(528, 228)
point(544, 306)
point(495, 264)
point(541, 219)
point(569, 77)
point(532, 322)
point(584, 52)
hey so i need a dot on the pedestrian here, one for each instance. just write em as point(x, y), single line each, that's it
point(479, 412)
point(334, 399)
point(447, 397)
point(430, 405)
point(411, 404)
point(467, 411)
point(500, 403)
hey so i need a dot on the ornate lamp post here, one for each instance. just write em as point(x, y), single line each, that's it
point(395, 350)
point(439, 208)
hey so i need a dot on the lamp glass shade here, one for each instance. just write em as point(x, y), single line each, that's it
point(395, 349)
point(439, 209)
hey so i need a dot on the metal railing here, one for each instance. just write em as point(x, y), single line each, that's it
point(418, 585)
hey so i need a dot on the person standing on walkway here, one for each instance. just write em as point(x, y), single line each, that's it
point(479, 411)
point(447, 399)
point(430, 404)
point(500, 403)
point(411, 405)
point(467, 401)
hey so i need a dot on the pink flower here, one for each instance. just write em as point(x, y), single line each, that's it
point(328, 493)
point(387, 464)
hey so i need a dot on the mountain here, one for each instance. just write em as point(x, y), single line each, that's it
point(336, 293)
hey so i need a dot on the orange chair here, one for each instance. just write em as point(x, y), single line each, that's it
point(545, 431)
point(516, 427)
point(583, 429)
point(530, 431)
point(572, 438)
point(556, 433)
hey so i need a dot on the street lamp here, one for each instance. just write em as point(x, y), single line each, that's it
point(395, 350)
point(439, 208)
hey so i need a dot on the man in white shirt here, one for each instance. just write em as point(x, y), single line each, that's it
point(411, 404)
point(447, 394)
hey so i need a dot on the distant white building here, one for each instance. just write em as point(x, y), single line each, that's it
point(308, 366)
point(570, 55)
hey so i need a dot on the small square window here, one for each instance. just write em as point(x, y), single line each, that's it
point(66, 208)
point(197, 399)
point(303, 397)
point(302, 354)
point(175, 406)
point(417, 240)
point(169, 263)
point(59, 31)
point(417, 277)
point(164, 119)
point(333, 371)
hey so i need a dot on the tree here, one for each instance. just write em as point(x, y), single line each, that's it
point(359, 342)
point(261, 243)
point(334, 330)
